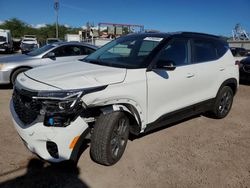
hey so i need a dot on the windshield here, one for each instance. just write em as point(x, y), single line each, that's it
point(41, 50)
point(27, 40)
point(2, 39)
point(50, 41)
point(31, 46)
point(126, 52)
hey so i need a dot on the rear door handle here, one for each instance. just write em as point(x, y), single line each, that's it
point(190, 75)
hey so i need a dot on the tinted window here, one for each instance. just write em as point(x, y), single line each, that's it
point(222, 48)
point(2, 39)
point(69, 50)
point(40, 50)
point(86, 50)
point(204, 50)
point(175, 52)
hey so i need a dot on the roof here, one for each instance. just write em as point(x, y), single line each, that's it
point(74, 43)
point(164, 35)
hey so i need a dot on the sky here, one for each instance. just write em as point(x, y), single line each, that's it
point(210, 16)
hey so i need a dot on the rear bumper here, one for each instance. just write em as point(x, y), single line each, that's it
point(38, 138)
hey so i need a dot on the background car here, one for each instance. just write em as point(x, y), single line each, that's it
point(11, 66)
point(238, 52)
point(52, 40)
point(245, 69)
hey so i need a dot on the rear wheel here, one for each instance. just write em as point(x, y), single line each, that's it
point(109, 138)
point(223, 103)
point(16, 73)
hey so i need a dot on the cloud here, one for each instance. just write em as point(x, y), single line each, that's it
point(66, 25)
point(38, 26)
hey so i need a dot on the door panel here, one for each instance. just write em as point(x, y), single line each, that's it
point(209, 67)
point(170, 90)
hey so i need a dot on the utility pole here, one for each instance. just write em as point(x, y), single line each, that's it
point(56, 7)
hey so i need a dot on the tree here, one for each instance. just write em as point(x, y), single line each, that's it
point(19, 28)
point(16, 26)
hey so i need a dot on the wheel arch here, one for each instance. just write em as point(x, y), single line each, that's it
point(17, 68)
point(131, 112)
point(232, 83)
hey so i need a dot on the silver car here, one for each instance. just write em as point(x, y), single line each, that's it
point(11, 66)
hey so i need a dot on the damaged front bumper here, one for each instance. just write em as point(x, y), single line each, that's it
point(54, 144)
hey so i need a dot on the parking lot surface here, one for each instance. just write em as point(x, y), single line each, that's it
point(199, 152)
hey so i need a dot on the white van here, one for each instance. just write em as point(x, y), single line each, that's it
point(6, 44)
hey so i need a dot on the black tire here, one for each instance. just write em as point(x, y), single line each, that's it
point(15, 74)
point(223, 103)
point(109, 138)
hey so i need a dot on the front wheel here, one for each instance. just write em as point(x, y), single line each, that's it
point(109, 138)
point(223, 103)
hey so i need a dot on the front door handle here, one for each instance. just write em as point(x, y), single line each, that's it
point(190, 75)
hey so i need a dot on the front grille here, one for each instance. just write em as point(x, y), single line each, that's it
point(26, 108)
point(246, 68)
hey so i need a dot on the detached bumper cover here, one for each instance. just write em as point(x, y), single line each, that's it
point(36, 136)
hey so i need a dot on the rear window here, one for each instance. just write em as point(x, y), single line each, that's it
point(204, 50)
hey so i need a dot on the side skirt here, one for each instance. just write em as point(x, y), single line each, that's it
point(180, 114)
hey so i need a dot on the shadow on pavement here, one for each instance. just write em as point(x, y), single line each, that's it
point(6, 86)
point(51, 176)
point(245, 82)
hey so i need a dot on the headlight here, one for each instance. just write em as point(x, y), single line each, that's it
point(59, 108)
point(59, 100)
point(1, 66)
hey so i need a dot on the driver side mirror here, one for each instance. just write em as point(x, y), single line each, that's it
point(51, 55)
point(165, 65)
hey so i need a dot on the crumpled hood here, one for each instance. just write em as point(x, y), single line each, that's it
point(77, 74)
point(15, 58)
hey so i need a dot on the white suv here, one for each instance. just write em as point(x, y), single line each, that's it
point(130, 86)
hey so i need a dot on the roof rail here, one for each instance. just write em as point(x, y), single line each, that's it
point(197, 33)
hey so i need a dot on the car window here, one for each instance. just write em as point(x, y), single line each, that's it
point(147, 46)
point(204, 50)
point(68, 50)
point(41, 50)
point(2, 39)
point(86, 50)
point(175, 52)
point(123, 49)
